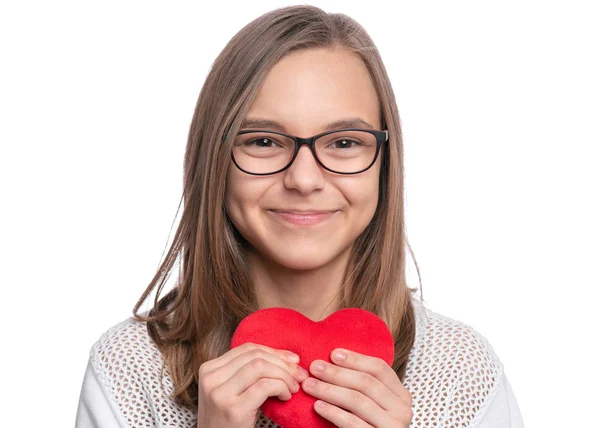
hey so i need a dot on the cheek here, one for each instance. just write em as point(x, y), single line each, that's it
point(243, 196)
point(235, 197)
point(362, 192)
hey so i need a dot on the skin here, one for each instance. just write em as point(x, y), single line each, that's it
point(302, 267)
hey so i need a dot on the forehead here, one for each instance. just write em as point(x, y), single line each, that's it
point(307, 90)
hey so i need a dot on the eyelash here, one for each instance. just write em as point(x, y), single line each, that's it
point(254, 140)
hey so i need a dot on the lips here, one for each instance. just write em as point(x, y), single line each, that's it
point(305, 212)
point(304, 218)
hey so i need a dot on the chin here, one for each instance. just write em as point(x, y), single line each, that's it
point(305, 258)
point(301, 263)
point(302, 253)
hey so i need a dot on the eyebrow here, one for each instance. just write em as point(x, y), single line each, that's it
point(350, 122)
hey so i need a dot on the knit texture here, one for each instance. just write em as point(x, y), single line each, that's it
point(452, 373)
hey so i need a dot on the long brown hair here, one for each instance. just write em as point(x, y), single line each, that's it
point(194, 321)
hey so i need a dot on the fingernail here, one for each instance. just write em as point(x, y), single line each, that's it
point(302, 372)
point(310, 382)
point(320, 404)
point(292, 357)
point(319, 366)
point(339, 355)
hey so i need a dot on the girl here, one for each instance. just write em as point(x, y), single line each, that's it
point(293, 189)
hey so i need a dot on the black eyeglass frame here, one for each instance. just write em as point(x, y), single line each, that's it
point(381, 136)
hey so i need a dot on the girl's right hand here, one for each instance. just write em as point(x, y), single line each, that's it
point(232, 387)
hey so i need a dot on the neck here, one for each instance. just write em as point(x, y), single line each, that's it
point(315, 293)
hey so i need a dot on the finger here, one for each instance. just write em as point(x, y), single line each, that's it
point(250, 373)
point(214, 364)
point(374, 366)
point(350, 400)
point(264, 388)
point(228, 370)
point(357, 381)
point(339, 417)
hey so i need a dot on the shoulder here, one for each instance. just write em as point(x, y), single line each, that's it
point(125, 350)
point(130, 366)
point(453, 370)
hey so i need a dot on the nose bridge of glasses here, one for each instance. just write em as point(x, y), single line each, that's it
point(308, 141)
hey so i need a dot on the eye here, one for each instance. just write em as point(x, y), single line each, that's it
point(261, 142)
point(344, 143)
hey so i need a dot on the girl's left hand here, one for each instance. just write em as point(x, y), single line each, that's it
point(359, 391)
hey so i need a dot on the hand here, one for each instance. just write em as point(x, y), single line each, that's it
point(232, 387)
point(359, 391)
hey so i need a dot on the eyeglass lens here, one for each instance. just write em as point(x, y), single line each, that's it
point(343, 151)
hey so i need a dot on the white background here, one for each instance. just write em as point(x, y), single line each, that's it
point(499, 103)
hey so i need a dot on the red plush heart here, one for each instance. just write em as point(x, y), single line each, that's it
point(281, 328)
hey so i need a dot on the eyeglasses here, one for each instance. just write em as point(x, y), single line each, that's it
point(343, 151)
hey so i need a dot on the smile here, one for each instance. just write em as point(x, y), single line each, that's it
point(303, 218)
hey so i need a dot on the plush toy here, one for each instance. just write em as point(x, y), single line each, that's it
point(281, 328)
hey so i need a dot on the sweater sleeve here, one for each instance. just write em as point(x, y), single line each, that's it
point(503, 411)
point(96, 407)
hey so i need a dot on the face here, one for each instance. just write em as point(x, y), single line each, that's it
point(306, 217)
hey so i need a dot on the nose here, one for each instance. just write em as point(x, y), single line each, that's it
point(305, 174)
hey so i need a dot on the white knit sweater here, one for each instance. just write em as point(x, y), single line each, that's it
point(454, 376)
